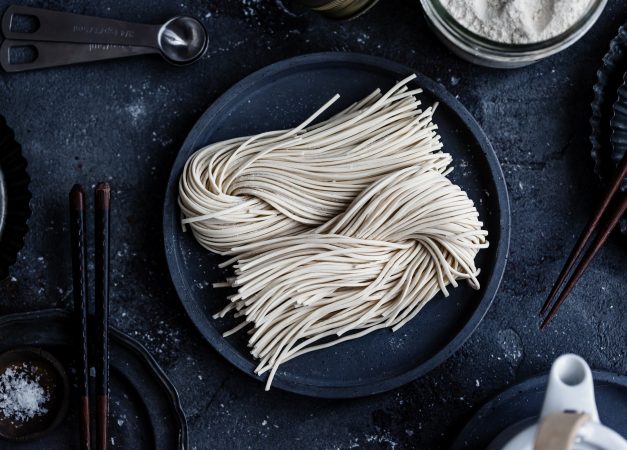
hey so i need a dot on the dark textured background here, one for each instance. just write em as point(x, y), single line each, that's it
point(123, 121)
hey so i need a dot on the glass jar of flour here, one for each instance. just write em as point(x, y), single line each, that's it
point(510, 33)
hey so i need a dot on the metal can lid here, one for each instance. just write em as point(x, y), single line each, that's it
point(340, 9)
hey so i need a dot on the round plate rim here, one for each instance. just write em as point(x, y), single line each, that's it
point(519, 389)
point(126, 341)
point(211, 334)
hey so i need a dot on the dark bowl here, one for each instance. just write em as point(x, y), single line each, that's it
point(610, 76)
point(14, 199)
point(52, 378)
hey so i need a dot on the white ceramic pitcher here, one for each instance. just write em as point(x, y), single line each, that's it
point(569, 419)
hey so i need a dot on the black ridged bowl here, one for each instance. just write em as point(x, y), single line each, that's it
point(610, 77)
point(618, 138)
point(14, 199)
point(619, 124)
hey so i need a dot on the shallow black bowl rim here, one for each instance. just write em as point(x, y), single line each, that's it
point(136, 347)
point(171, 226)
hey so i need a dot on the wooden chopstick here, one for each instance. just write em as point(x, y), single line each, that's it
point(77, 242)
point(585, 237)
point(594, 248)
point(103, 203)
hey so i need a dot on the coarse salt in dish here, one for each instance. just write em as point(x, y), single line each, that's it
point(22, 397)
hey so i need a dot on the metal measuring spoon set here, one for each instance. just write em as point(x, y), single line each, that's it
point(61, 38)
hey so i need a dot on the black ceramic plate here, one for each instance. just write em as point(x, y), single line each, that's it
point(145, 412)
point(281, 96)
point(519, 406)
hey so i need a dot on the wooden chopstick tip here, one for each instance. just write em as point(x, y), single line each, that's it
point(77, 197)
point(103, 195)
point(545, 322)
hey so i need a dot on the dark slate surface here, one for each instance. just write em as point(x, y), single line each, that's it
point(123, 121)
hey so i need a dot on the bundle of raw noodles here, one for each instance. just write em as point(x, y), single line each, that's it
point(281, 183)
point(337, 230)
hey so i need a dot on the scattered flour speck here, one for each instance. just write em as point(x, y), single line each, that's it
point(136, 111)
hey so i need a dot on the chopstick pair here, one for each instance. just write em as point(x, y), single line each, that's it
point(614, 205)
point(78, 236)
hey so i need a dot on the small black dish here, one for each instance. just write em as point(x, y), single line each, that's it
point(14, 199)
point(606, 93)
point(53, 379)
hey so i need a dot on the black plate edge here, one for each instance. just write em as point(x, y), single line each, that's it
point(514, 390)
point(131, 344)
point(216, 340)
point(142, 352)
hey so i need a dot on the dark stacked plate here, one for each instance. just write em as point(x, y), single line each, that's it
point(144, 407)
point(14, 199)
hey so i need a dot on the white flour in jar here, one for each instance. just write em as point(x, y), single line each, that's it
point(517, 21)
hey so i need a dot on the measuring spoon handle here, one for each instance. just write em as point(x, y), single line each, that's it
point(52, 54)
point(55, 26)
